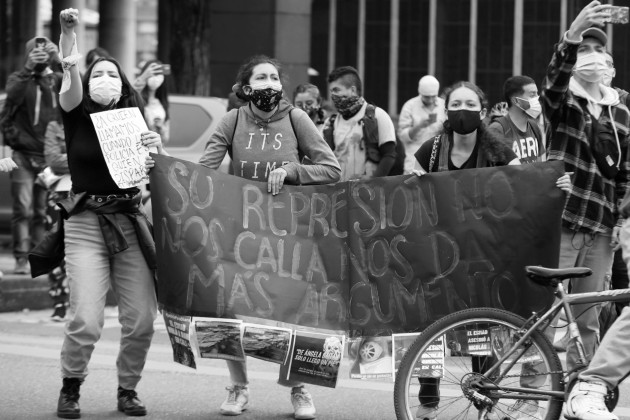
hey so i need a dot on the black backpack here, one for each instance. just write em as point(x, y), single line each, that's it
point(370, 135)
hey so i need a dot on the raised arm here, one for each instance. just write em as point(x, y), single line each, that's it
point(72, 97)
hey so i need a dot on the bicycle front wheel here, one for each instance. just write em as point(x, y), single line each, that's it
point(445, 373)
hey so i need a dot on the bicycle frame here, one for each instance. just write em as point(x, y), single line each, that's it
point(565, 301)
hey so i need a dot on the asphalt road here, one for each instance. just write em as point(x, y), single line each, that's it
point(30, 380)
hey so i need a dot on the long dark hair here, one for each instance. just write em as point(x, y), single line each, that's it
point(161, 93)
point(491, 145)
point(129, 97)
point(246, 70)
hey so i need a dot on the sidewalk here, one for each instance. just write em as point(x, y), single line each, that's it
point(20, 291)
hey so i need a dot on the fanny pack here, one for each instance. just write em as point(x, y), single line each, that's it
point(605, 148)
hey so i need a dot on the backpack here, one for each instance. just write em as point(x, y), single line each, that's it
point(370, 135)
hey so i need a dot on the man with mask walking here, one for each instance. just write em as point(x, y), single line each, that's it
point(589, 133)
point(519, 126)
point(32, 101)
point(364, 137)
point(421, 119)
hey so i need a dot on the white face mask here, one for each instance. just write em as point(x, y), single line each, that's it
point(155, 82)
point(277, 86)
point(608, 76)
point(533, 109)
point(591, 67)
point(105, 89)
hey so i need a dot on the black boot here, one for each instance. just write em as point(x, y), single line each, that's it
point(129, 403)
point(68, 405)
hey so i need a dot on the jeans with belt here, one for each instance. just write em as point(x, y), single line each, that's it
point(91, 270)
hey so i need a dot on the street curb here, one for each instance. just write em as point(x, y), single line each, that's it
point(20, 291)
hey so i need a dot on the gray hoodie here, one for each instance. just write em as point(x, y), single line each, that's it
point(259, 146)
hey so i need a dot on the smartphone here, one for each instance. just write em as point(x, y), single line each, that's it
point(166, 69)
point(40, 42)
point(432, 118)
point(618, 14)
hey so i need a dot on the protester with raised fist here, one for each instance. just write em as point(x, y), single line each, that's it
point(107, 236)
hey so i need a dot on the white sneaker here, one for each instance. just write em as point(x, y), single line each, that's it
point(426, 413)
point(525, 410)
point(236, 401)
point(586, 402)
point(303, 407)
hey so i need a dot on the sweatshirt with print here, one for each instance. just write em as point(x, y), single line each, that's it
point(260, 146)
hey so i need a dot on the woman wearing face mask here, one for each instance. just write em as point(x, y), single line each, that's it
point(308, 98)
point(106, 234)
point(466, 143)
point(267, 138)
point(152, 87)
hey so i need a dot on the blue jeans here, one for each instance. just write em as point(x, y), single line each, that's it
point(28, 223)
point(91, 270)
point(611, 363)
point(593, 251)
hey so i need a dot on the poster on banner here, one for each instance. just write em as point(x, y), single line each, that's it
point(372, 358)
point(366, 257)
point(267, 343)
point(400, 344)
point(219, 338)
point(118, 133)
point(470, 342)
point(315, 358)
point(503, 338)
point(178, 329)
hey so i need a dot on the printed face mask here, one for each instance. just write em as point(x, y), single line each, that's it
point(591, 67)
point(105, 90)
point(265, 96)
point(347, 105)
point(533, 109)
point(311, 110)
point(464, 121)
point(155, 82)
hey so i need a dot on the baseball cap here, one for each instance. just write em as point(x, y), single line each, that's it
point(428, 86)
point(596, 33)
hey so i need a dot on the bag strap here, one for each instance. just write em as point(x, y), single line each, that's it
point(300, 153)
point(436, 143)
point(238, 110)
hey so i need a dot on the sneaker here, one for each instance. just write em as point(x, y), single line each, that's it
point(129, 403)
point(59, 314)
point(303, 407)
point(525, 410)
point(586, 402)
point(21, 266)
point(68, 404)
point(236, 401)
point(426, 413)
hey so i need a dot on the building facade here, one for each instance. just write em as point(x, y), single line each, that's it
point(395, 42)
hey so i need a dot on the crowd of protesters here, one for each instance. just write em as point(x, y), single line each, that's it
point(579, 119)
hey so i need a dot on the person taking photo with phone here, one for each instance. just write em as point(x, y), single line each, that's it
point(589, 133)
point(152, 86)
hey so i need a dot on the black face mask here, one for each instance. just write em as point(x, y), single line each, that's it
point(266, 99)
point(464, 121)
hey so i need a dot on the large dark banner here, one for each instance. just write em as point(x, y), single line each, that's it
point(391, 254)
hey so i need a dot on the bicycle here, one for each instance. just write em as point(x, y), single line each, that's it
point(487, 363)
